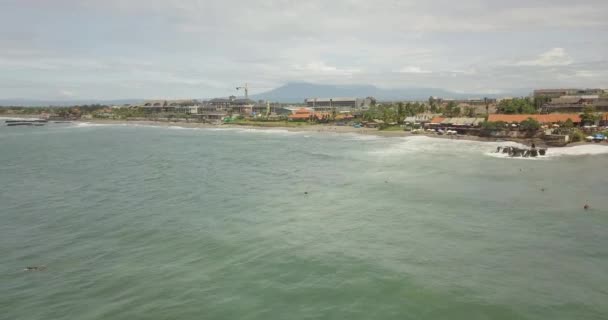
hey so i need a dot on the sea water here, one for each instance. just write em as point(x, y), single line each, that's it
point(144, 222)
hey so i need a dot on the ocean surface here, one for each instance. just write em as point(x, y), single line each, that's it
point(143, 222)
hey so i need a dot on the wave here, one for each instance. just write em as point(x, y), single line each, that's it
point(422, 144)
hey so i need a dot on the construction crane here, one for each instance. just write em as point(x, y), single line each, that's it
point(246, 88)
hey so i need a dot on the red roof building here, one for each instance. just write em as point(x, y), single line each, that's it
point(542, 118)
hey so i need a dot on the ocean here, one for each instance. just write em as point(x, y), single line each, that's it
point(144, 222)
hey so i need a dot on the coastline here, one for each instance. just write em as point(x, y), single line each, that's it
point(318, 128)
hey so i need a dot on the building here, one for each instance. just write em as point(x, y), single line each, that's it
point(575, 104)
point(338, 104)
point(302, 114)
point(232, 105)
point(557, 93)
point(542, 118)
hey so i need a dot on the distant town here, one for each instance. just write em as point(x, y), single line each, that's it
point(550, 116)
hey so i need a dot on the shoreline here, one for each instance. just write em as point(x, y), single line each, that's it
point(318, 128)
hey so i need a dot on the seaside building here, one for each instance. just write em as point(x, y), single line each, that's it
point(302, 114)
point(338, 104)
point(557, 93)
point(576, 104)
point(541, 118)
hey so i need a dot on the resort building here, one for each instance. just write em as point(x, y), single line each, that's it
point(557, 93)
point(339, 104)
point(542, 118)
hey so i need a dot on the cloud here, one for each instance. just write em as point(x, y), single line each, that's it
point(551, 58)
point(204, 48)
point(413, 69)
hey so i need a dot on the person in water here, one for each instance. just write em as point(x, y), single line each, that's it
point(35, 268)
point(586, 206)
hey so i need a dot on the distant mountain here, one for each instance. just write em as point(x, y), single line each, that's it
point(63, 103)
point(298, 91)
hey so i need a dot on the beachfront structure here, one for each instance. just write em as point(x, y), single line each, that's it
point(338, 104)
point(575, 104)
point(302, 114)
point(557, 93)
point(440, 121)
point(541, 118)
point(420, 118)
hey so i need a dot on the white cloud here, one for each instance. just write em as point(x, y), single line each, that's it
point(320, 67)
point(413, 69)
point(552, 58)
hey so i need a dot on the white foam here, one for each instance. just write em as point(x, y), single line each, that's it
point(582, 150)
point(89, 124)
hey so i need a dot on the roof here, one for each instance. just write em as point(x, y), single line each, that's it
point(437, 120)
point(463, 121)
point(566, 100)
point(331, 99)
point(542, 118)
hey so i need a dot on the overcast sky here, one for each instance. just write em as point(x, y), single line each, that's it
point(106, 49)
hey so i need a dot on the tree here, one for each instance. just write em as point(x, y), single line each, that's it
point(470, 112)
point(568, 124)
point(516, 105)
point(589, 116)
point(400, 113)
point(450, 109)
point(530, 125)
point(540, 101)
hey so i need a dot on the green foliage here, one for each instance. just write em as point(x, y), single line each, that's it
point(470, 112)
point(540, 101)
point(517, 106)
point(451, 110)
point(529, 125)
point(498, 125)
point(568, 124)
point(589, 115)
point(577, 135)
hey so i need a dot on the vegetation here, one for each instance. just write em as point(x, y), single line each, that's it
point(589, 115)
point(577, 135)
point(517, 106)
point(451, 110)
point(491, 126)
point(393, 113)
point(530, 125)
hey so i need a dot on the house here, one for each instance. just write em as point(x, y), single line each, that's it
point(302, 114)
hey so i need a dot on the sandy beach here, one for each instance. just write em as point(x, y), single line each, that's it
point(320, 128)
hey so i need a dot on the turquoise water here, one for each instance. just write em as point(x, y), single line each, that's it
point(136, 222)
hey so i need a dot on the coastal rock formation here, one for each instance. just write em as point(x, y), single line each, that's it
point(520, 152)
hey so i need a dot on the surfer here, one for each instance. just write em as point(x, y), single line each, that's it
point(35, 268)
point(586, 206)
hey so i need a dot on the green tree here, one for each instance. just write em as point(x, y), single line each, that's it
point(450, 109)
point(589, 115)
point(470, 111)
point(540, 101)
point(400, 112)
point(530, 125)
point(516, 105)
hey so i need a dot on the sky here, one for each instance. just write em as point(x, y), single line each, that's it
point(116, 49)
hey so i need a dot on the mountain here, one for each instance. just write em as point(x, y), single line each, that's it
point(63, 103)
point(298, 91)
